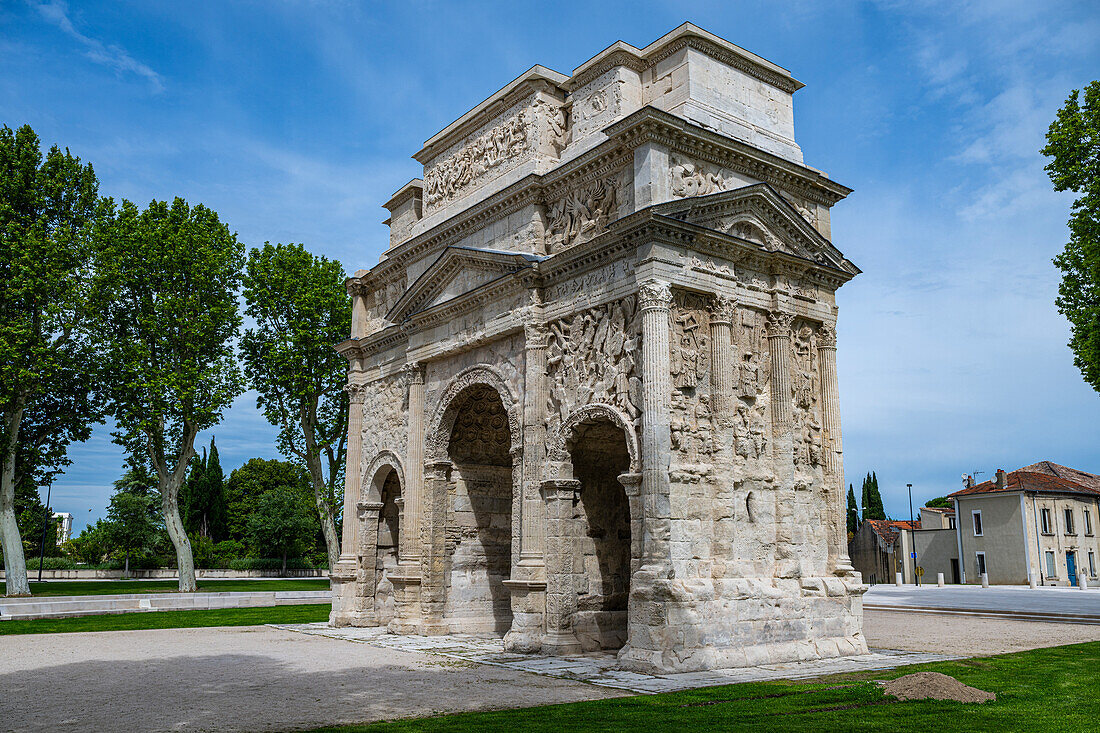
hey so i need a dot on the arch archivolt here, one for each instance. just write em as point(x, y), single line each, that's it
point(375, 475)
point(563, 441)
point(446, 411)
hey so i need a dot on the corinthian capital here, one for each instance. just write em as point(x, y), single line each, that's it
point(655, 294)
point(357, 392)
point(413, 373)
point(536, 335)
point(826, 336)
point(779, 323)
point(722, 309)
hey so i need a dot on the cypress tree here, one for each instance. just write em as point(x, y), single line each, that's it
point(853, 511)
point(872, 499)
point(214, 504)
point(191, 492)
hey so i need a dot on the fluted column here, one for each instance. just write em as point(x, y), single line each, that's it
point(839, 562)
point(353, 471)
point(655, 299)
point(413, 490)
point(533, 537)
point(723, 365)
point(779, 351)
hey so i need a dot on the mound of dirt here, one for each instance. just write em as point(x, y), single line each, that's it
point(923, 685)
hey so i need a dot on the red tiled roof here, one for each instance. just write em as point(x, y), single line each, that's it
point(887, 529)
point(943, 509)
point(1091, 480)
point(1033, 481)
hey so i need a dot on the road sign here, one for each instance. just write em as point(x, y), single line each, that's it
point(913, 555)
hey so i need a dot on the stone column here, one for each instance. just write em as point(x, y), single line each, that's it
point(561, 592)
point(655, 299)
point(433, 559)
point(359, 315)
point(367, 576)
point(344, 599)
point(406, 577)
point(839, 562)
point(409, 549)
point(535, 398)
point(787, 558)
point(779, 351)
point(723, 363)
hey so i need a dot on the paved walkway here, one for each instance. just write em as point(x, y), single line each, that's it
point(1032, 604)
point(13, 609)
point(602, 668)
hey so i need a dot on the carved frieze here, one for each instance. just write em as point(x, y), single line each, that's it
point(692, 178)
point(497, 145)
point(592, 357)
point(582, 214)
point(384, 416)
point(692, 428)
point(807, 390)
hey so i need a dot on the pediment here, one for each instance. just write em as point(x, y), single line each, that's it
point(759, 215)
point(457, 271)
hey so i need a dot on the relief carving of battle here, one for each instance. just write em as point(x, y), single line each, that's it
point(805, 383)
point(582, 214)
point(385, 416)
point(692, 428)
point(594, 356)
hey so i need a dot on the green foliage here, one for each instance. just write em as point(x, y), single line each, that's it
point(49, 397)
point(249, 482)
point(853, 511)
point(165, 294)
point(131, 523)
point(301, 308)
point(1073, 146)
point(941, 502)
point(872, 499)
point(280, 525)
point(202, 497)
point(92, 545)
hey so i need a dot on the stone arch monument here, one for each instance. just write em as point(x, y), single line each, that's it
point(595, 374)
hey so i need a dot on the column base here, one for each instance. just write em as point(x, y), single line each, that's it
point(561, 644)
point(406, 595)
point(528, 614)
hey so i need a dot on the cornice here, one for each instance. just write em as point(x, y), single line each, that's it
point(619, 57)
point(650, 124)
point(737, 61)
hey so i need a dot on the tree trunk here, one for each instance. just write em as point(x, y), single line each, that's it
point(126, 572)
point(15, 563)
point(284, 563)
point(320, 495)
point(169, 503)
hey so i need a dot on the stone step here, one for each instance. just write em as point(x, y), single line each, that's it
point(69, 606)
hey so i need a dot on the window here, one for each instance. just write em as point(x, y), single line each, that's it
point(1088, 524)
point(981, 562)
point(977, 514)
point(1052, 572)
point(1069, 522)
point(951, 522)
point(1092, 563)
point(1045, 514)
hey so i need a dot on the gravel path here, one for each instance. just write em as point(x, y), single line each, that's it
point(967, 635)
point(258, 678)
point(247, 678)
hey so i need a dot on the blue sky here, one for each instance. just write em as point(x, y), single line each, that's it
point(296, 120)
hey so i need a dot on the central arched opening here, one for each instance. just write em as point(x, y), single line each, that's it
point(479, 523)
point(600, 455)
point(386, 552)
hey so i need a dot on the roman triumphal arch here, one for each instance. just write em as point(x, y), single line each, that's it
point(593, 379)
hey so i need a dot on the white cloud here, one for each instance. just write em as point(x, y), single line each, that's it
point(109, 55)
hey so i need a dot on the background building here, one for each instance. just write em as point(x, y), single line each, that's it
point(1040, 519)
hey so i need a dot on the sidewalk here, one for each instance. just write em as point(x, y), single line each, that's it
point(12, 609)
point(1066, 605)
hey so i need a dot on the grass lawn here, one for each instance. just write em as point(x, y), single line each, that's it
point(172, 619)
point(112, 587)
point(1045, 689)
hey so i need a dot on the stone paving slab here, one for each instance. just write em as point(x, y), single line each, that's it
point(600, 668)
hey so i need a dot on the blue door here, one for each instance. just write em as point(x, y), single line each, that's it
point(1071, 567)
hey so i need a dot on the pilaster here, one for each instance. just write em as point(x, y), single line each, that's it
point(366, 580)
point(561, 594)
point(433, 562)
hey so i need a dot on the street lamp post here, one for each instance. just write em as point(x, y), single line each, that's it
point(45, 525)
point(913, 535)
